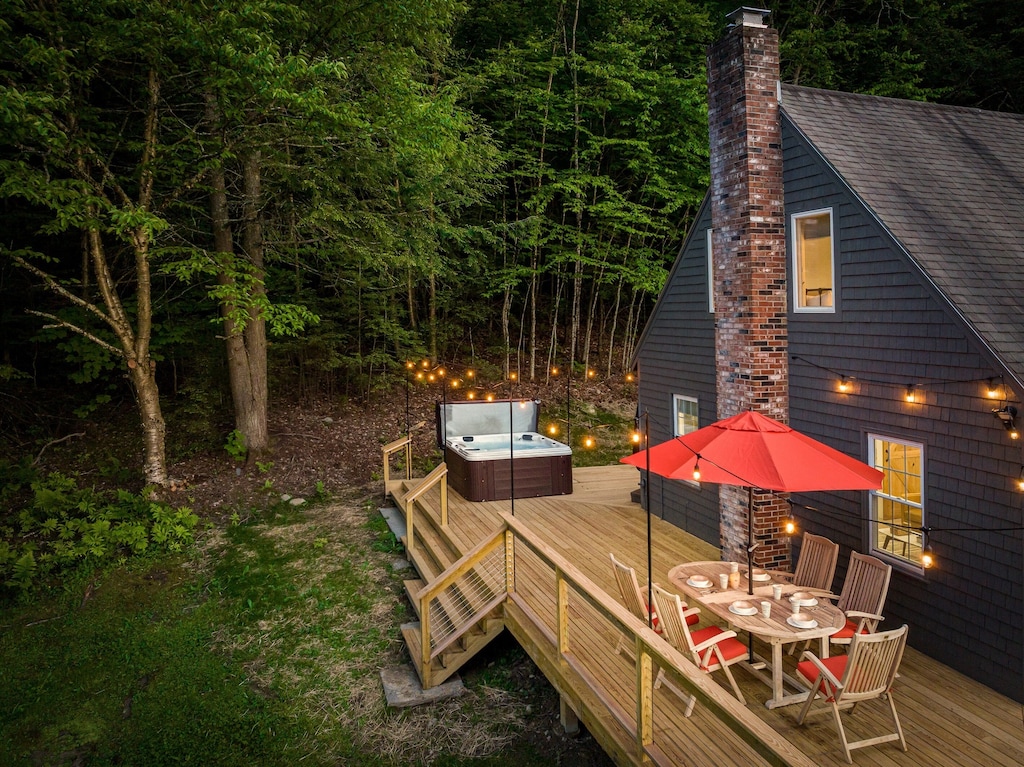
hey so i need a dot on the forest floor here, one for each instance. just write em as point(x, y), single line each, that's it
point(330, 453)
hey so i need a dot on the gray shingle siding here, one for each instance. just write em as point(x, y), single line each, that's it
point(677, 357)
point(892, 327)
point(892, 331)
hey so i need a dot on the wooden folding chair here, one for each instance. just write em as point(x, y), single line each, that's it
point(866, 672)
point(711, 648)
point(816, 566)
point(863, 596)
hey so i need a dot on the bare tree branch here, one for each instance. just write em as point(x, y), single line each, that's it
point(54, 442)
point(55, 286)
point(59, 323)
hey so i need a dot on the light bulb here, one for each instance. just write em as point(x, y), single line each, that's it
point(927, 557)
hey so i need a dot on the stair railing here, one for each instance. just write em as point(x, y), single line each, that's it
point(462, 596)
point(405, 445)
point(439, 476)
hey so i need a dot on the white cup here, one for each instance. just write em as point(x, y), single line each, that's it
point(723, 580)
point(777, 592)
point(766, 609)
point(796, 607)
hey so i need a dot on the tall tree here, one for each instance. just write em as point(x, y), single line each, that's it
point(86, 142)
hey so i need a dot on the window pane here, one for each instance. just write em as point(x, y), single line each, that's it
point(686, 415)
point(813, 244)
point(897, 511)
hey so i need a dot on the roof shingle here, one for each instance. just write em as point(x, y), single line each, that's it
point(948, 183)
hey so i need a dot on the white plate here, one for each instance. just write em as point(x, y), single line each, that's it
point(760, 576)
point(742, 608)
point(698, 581)
point(803, 599)
point(802, 621)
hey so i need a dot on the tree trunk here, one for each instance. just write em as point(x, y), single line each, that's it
point(251, 414)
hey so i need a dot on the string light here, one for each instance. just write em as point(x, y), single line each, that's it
point(927, 553)
point(696, 469)
point(844, 385)
point(588, 442)
point(630, 378)
point(591, 373)
point(635, 437)
point(993, 390)
point(1020, 479)
point(789, 525)
point(553, 430)
point(911, 395)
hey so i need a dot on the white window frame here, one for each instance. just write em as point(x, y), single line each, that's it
point(795, 261)
point(909, 540)
point(711, 272)
point(676, 400)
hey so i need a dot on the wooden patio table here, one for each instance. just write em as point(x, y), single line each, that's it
point(773, 630)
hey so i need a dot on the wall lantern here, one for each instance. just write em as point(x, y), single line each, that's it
point(1007, 416)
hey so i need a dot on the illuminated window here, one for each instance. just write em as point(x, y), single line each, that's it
point(685, 409)
point(897, 510)
point(813, 263)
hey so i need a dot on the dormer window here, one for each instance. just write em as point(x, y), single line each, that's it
point(813, 262)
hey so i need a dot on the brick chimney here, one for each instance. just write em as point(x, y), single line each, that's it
point(749, 256)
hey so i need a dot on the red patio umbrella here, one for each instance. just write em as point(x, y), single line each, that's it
point(753, 451)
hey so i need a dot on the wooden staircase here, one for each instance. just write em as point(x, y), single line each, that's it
point(460, 593)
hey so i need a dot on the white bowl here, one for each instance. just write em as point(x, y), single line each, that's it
point(802, 621)
point(699, 581)
point(803, 599)
point(743, 608)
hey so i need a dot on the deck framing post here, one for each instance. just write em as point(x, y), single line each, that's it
point(567, 716)
point(644, 701)
point(408, 458)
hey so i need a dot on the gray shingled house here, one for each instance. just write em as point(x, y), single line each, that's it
point(900, 276)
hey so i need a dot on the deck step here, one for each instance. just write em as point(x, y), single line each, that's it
point(454, 658)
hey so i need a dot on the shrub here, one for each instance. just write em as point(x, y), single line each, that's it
point(66, 527)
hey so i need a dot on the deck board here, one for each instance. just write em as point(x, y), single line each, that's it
point(948, 719)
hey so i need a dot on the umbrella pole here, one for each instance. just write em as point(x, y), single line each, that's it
point(750, 541)
point(750, 563)
point(647, 493)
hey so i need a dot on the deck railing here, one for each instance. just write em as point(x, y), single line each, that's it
point(650, 651)
point(486, 576)
point(405, 445)
point(439, 476)
point(460, 597)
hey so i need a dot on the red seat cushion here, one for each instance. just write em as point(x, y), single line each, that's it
point(730, 647)
point(847, 631)
point(703, 635)
point(836, 666)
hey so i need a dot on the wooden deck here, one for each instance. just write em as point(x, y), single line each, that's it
point(947, 718)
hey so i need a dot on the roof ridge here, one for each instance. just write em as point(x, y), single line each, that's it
point(908, 103)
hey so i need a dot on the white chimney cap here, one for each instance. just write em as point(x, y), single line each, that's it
point(746, 16)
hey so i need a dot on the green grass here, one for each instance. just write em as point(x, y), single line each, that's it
point(263, 647)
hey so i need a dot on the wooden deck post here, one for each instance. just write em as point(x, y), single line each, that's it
point(566, 715)
point(444, 497)
point(510, 565)
point(644, 701)
point(562, 608)
point(425, 661)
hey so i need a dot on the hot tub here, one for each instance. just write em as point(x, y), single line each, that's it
point(486, 466)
